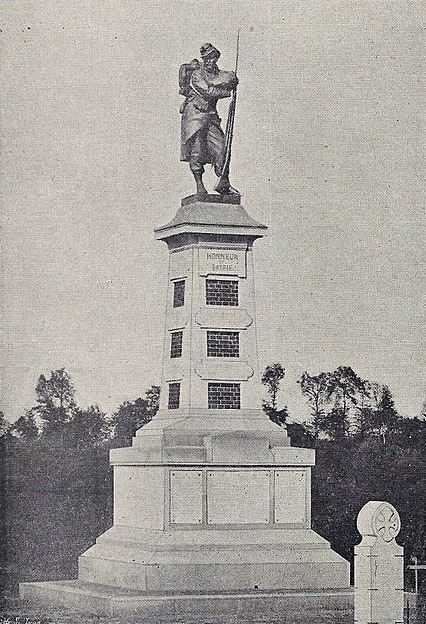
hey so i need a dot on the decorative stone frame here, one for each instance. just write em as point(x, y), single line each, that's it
point(199, 497)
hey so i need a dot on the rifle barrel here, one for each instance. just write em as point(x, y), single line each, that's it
point(237, 54)
point(229, 131)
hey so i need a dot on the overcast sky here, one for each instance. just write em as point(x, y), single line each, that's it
point(328, 153)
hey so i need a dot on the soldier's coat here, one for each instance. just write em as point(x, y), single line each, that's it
point(199, 110)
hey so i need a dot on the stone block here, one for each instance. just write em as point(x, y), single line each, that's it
point(67, 594)
point(379, 566)
point(238, 497)
point(186, 496)
point(292, 496)
point(139, 496)
point(111, 602)
point(111, 572)
point(238, 447)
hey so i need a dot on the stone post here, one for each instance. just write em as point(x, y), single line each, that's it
point(379, 566)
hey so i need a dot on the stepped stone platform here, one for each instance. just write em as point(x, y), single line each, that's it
point(213, 560)
point(134, 572)
point(115, 602)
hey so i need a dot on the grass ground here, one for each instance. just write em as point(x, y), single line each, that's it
point(14, 611)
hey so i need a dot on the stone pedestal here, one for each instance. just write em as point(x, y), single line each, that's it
point(379, 566)
point(210, 497)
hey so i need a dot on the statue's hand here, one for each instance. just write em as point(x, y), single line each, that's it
point(233, 82)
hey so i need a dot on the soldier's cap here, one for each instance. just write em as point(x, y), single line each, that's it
point(208, 50)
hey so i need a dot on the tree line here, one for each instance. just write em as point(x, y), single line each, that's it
point(365, 450)
point(57, 418)
point(56, 481)
point(57, 485)
point(341, 403)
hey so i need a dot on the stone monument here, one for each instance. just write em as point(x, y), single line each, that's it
point(379, 566)
point(210, 498)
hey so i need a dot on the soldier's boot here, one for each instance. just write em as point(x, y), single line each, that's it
point(201, 189)
point(223, 187)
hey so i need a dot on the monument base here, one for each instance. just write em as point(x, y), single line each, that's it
point(114, 602)
point(218, 560)
point(180, 573)
point(212, 506)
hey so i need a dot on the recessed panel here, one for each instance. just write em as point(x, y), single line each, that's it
point(290, 497)
point(186, 497)
point(223, 370)
point(180, 264)
point(139, 496)
point(223, 318)
point(238, 497)
point(222, 262)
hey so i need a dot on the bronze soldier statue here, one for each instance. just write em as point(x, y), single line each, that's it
point(202, 138)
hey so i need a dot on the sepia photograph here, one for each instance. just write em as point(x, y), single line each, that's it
point(213, 357)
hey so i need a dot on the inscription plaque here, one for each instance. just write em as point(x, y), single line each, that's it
point(290, 497)
point(186, 506)
point(222, 262)
point(238, 497)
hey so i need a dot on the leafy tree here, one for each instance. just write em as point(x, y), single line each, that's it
point(334, 424)
point(411, 433)
point(315, 388)
point(344, 388)
point(301, 435)
point(369, 398)
point(132, 415)
point(56, 404)
point(385, 418)
point(152, 397)
point(25, 427)
point(379, 417)
point(332, 396)
point(279, 417)
point(364, 421)
point(89, 427)
point(373, 393)
point(271, 378)
point(5, 425)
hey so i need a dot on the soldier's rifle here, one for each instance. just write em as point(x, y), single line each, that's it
point(229, 131)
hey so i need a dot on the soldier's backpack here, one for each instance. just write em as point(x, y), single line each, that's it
point(185, 72)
